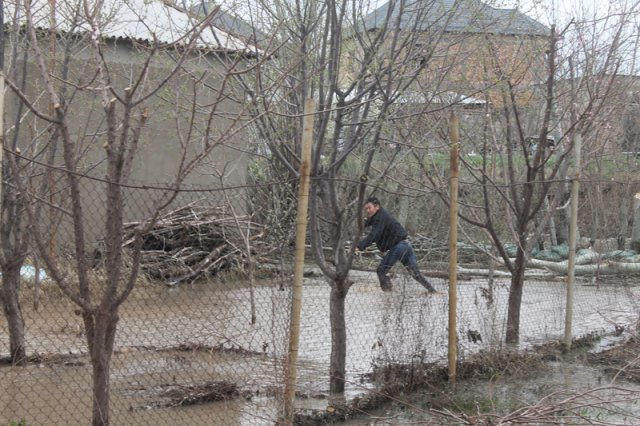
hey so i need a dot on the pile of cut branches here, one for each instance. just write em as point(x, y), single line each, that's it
point(181, 395)
point(194, 241)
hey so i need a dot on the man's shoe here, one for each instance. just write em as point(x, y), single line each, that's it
point(385, 282)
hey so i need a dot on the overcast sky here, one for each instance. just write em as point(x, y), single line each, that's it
point(562, 11)
point(598, 29)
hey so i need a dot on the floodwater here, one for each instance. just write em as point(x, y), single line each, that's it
point(579, 394)
point(202, 333)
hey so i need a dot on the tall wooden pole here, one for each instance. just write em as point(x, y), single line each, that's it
point(454, 134)
point(301, 232)
point(1, 98)
point(635, 231)
point(573, 237)
point(53, 40)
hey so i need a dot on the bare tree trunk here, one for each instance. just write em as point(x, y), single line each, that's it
point(11, 261)
point(595, 198)
point(10, 296)
point(623, 215)
point(552, 225)
point(515, 298)
point(404, 206)
point(13, 242)
point(562, 219)
point(338, 337)
point(101, 331)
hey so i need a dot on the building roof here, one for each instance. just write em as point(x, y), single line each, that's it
point(230, 23)
point(138, 20)
point(144, 19)
point(466, 16)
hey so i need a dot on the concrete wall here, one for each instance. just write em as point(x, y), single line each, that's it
point(172, 133)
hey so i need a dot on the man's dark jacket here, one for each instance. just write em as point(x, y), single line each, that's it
point(386, 231)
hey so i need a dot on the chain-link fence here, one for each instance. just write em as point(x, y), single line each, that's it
point(182, 312)
point(203, 336)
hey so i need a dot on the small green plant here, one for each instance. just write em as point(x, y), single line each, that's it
point(22, 422)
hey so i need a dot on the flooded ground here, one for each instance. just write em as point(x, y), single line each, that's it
point(201, 335)
point(560, 392)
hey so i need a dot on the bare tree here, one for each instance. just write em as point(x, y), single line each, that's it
point(13, 242)
point(514, 189)
point(14, 239)
point(580, 81)
point(168, 78)
point(358, 71)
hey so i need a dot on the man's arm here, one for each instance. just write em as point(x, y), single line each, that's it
point(374, 234)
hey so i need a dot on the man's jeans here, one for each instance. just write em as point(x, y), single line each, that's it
point(403, 252)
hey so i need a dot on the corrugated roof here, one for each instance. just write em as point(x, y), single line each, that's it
point(140, 20)
point(470, 16)
point(229, 22)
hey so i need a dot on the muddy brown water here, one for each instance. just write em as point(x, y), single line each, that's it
point(202, 333)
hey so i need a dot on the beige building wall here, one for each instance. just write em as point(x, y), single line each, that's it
point(167, 138)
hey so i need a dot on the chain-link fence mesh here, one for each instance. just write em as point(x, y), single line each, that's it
point(203, 336)
point(149, 94)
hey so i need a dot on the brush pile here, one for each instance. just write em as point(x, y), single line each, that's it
point(194, 241)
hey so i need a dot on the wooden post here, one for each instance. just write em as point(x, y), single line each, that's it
point(53, 41)
point(454, 135)
point(1, 99)
point(635, 231)
point(1, 125)
point(573, 237)
point(301, 231)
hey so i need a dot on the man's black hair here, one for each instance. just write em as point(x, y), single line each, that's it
point(373, 200)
